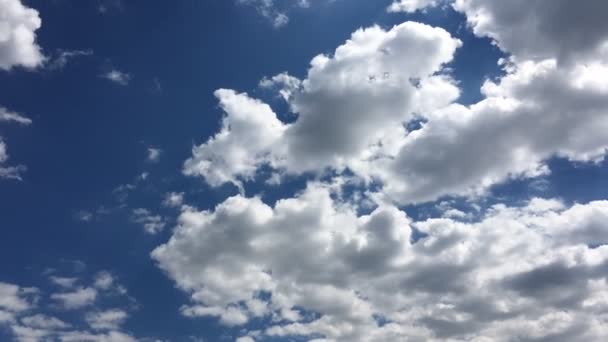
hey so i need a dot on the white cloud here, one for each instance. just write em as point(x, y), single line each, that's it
point(79, 298)
point(249, 129)
point(65, 282)
point(64, 56)
point(8, 116)
point(13, 298)
point(8, 172)
point(117, 76)
point(267, 9)
point(18, 26)
point(153, 224)
point(173, 199)
point(572, 31)
point(104, 280)
point(537, 111)
point(106, 320)
point(28, 321)
point(520, 272)
point(40, 321)
point(154, 154)
point(411, 6)
point(348, 104)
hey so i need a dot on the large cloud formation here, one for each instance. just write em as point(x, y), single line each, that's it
point(348, 106)
point(18, 25)
point(312, 267)
point(353, 108)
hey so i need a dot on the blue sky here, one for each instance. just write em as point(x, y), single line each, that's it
point(259, 170)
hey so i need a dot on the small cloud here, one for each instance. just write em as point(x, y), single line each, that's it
point(41, 321)
point(117, 76)
point(106, 320)
point(79, 298)
point(154, 154)
point(63, 57)
point(173, 199)
point(8, 116)
point(63, 281)
point(104, 280)
point(153, 224)
point(83, 215)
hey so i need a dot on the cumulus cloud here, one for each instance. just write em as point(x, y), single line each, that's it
point(348, 103)
point(104, 280)
point(26, 320)
point(572, 31)
point(76, 299)
point(18, 26)
point(350, 270)
point(40, 321)
point(106, 320)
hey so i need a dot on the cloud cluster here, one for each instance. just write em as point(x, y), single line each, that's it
point(10, 172)
point(354, 106)
point(18, 26)
point(28, 320)
point(313, 267)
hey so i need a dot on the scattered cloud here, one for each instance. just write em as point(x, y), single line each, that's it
point(173, 199)
point(106, 320)
point(152, 224)
point(65, 282)
point(154, 154)
point(8, 116)
point(76, 299)
point(117, 77)
point(63, 57)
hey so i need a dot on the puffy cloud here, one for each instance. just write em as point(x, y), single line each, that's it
point(572, 31)
point(104, 280)
point(40, 321)
point(28, 321)
point(79, 298)
point(18, 26)
point(153, 224)
point(347, 106)
point(531, 272)
point(106, 320)
point(14, 298)
point(537, 111)
point(249, 130)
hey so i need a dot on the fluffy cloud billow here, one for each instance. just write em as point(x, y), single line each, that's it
point(18, 26)
point(311, 254)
